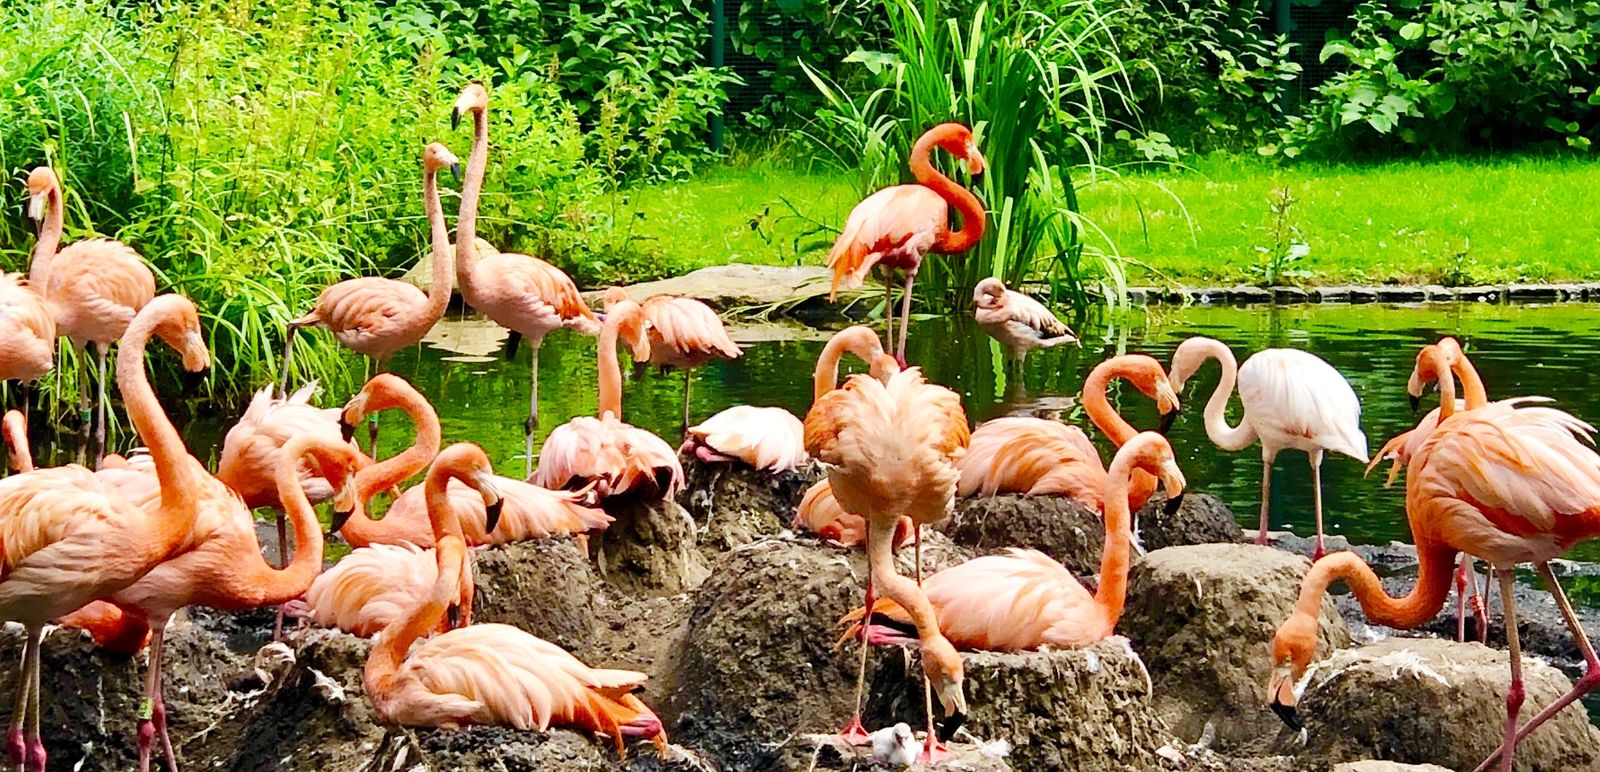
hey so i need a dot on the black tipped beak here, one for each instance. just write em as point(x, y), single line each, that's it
point(346, 429)
point(1167, 420)
point(492, 515)
point(951, 723)
point(455, 118)
point(1171, 507)
point(1416, 402)
point(338, 520)
point(1290, 717)
point(455, 171)
point(453, 615)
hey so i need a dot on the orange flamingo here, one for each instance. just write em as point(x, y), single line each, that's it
point(1292, 399)
point(490, 674)
point(376, 317)
point(530, 512)
point(93, 289)
point(1507, 484)
point(895, 227)
point(523, 294)
point(1018, 322)
point(1039, 457)
point(71, 538)
point(891, 447)
point(1023, 599)
point(617, 458)
point(684, 333)
point(371, 587)
point(14, 425)
point(27, 334)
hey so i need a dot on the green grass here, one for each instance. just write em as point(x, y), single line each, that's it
point(1455, 222)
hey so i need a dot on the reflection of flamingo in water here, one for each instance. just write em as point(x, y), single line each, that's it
point(894, 227)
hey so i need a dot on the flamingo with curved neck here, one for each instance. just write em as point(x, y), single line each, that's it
point(894, 228)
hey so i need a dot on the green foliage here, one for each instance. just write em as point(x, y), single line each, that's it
point(788, 35)
point(1459, 74)
point(1286, 247)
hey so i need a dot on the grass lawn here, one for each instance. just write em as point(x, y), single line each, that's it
point(1455, 222)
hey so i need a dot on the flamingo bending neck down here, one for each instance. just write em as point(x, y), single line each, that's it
point(376, 317)
point(895, 227)
point(71, 538)
point(93, 289)
point(27, 334)
point(1291, 398)
point(521, 293)
point(1020, 323)
point(1022, 600)
point(684, 333)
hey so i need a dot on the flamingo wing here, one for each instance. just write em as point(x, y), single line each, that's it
point(251, 448)
point(899, 222)
point(370, 315)
point(371, 587)
point(768, 438)
point(538, 292)
point(1020, 454)
point(688, 327)
point(27, 331)
point(1302, 400)
point(1027, 311)
point(528, 512)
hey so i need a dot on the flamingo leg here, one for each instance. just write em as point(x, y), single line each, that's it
point(1316, 498)
point(933, 751)
point(372, 420)
point(288, 357)
point(1267, 457)
point(85, 415)
point(36, 753)
point(152, 693)
point(1461, 597)
point(888, 307)
point(688, 378)
point(1483, 604)
point(533, 413)
point(905, 315)
point(283, 562)
point(102, 403)
point(1515, 695)
point(16, 744)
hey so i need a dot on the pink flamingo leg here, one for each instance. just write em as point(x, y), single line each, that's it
point(37, 757)
point(854, 733)
point(1515, 695)
point(905, 315)
point(933, 751)
point(1316, 498)
point(1461, 597)
point(16, 744)
point(152, 694)
point(1483, 603)
point(1266, 492)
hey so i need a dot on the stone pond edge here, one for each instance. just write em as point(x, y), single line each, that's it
point(1244, 294)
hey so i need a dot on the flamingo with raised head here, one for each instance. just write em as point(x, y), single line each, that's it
point(377, 317)
point(93, 289)
point(894, 228)
point(27, 334)
point(1018, 322)
point(615, 457)
point(1292, 399)
point(891, 447)
point(684, 334)
point(70, 537)
point(521, 293)
point(1022, 599)
point(490, 674)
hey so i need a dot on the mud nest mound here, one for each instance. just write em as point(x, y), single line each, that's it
point(543, 586)
point(1059, 527)
point(1426, 701)
point(1201, 519)
point(1203, 617)
point(734, 504)
point(492, 748)
point(650, 547)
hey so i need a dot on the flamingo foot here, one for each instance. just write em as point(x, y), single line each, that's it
point(16, 747)
point(854, 733)
point(147, 733)
point(1261, 537)
point(934, 752)
point(36, 755)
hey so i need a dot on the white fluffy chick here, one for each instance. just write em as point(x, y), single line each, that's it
point(895, 747)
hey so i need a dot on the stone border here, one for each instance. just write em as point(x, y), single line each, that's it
point(1486, 293)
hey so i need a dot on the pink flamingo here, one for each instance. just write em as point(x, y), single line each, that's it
point(490, 674)
point(1292, 399)
point(93, 289)
point(768, 439)
point(895, 227)
point(1023, 599)
point(523, 294)
point(27, 334)
point(71, 538)
point(684, 333)
point(376, 317)
point(1018, 322)
point(616, 457)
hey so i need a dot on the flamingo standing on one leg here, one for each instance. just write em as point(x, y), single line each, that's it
point(70, 537)
point(27, 334)
point(490, 674)
point(891, 446)
point(1023, 599)
point(523, 294)
point(894, 227)
point(376, 317)
point(1292, 399)
point(1018, 322)
point(93, 288)
point(684, 333)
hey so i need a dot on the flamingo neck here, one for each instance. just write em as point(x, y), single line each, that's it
point(436, 493)
point(826, 376)
point(390, 647)
point(1447, 382)
point(15, 427)
point(1117, 552)
point(610, 371)
point(1217, 428)
point(1099, 408)
point(258, 583)
point(155, 430)
point(880, 546)
point(467, 215)
point(44, 251)
point(361, 530)
point(439, 284)
point(1435, 564)
point(1471, 385)
point(972, 215)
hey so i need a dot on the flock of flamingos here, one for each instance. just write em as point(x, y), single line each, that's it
point(120, 549)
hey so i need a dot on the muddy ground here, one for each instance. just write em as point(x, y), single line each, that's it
point(736, 624)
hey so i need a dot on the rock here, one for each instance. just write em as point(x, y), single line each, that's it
point(1386, 766)
point(649, 548)
point(1333, 294)
point(420, 275)
point(1486, 293)
point(1201, 519)
point(1206, 295)
point(1436, 702)
point(1285, 294)
point(1399, 294)
point(1202, 617)
point(1438, 292)
point(544, 587)
point(1534, 292)
point(1057, 526)
point(756, 663)
point(1065, 709)
point(734, 504)
point(738, 285)
point(494, 748)
point(473, 339)
point(1244, 293)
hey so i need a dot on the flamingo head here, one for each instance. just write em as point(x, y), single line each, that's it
point(884, 367)
point(957, 140)
point(613, 295)
point(468, 463)
point(436, 157)
point(628, 319)
point(1433, 364)
point(42, 182)
point(385, 391)
point(179, 327)
point(1146, 375)
point(335, 463)
point(990, 293)
point(944, 669)
point(861, 342)
point(1292, 648)
point(474, 99)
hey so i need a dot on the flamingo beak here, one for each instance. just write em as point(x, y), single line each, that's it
point(492, 500)
point(452, 614)
point(36, 204)
point(954, 701)
point(1167, 420)
point(1284, 700)
point(1416, 402)
point(354, 412)
point(1172, 480)
point(455, 171)
point(455, 117)
point(975, 162)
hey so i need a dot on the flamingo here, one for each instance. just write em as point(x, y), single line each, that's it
point(895, 227)
point(371, 587)
point(1292, 399)
point(376, 317)
point(891, 447)
point(768, 439)
point(684, 333)
point(93, 289)
point(27, 333)
point(1505, 483)
point(70, 537)
point(1018, 322)
point(523, 294)
point(616, 457)
point(1039, 457)
point(14, 425)
point(1022, 600)
point(530, 512)
point(490, 674)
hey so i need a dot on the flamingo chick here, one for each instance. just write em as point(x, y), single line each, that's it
point(1018, 322)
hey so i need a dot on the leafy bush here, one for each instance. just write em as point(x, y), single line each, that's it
point(1459, 74)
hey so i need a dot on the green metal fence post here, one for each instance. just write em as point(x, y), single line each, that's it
point(719, 31)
